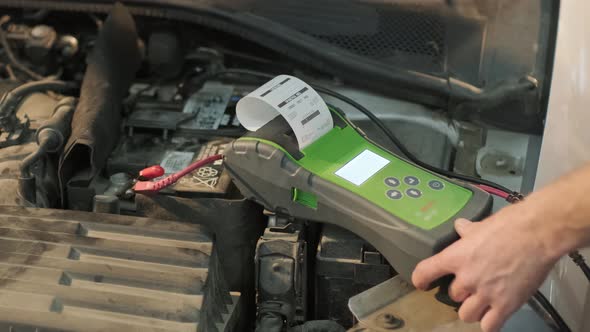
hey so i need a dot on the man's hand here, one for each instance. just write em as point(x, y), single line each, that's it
point(498, 264)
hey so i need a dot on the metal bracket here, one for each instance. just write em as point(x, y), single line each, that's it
point(395, 305)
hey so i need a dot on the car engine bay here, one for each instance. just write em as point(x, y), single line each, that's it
point(89, 100)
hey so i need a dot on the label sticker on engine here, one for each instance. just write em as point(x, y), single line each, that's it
point(209, 104)
point(175, 161)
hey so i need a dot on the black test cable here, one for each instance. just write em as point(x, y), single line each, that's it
point(513, 196)
point(409, 155)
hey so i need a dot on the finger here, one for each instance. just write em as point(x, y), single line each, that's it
point(430, 270)
point(473, 309)
point(458, 291)
point(493, 320)
point(463, 226)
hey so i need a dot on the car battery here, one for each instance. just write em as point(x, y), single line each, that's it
point(141, 150)
point(345, 266)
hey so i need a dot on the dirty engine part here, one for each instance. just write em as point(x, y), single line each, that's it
point(64, 270)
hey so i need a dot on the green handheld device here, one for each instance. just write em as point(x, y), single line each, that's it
point(343, 178)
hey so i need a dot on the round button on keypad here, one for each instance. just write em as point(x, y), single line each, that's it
point(436, 185)
point(394, 194)
point(391, 181)
point(414, 193)
point(411, 180)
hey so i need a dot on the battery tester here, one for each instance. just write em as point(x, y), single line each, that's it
point(405, 211)
point(343, 178)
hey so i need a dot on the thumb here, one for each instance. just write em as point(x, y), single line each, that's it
point(463, 226)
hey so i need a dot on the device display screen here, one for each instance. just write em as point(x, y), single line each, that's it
point(362, 167)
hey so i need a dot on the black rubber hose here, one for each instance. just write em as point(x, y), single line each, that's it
point(548, 307)
point(406, 84)
point(491, 97)
point(12, 98)
point(52, 134)
point(39, 86)
point(581, 263)
point(59, 126)
point(50, 137)
point(27, 190)
point(30, 160)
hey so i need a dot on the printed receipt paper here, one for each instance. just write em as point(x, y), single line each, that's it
point(297, 102)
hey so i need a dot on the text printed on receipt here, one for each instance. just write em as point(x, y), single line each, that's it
point(296, 101)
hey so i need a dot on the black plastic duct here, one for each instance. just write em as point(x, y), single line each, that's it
point(95, 127)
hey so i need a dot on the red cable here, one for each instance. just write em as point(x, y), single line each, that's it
point(493, 191)
point(149, 187)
